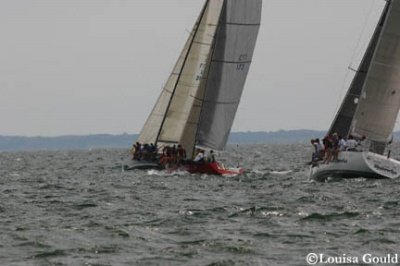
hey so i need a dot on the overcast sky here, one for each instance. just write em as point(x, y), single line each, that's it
point(97, 66)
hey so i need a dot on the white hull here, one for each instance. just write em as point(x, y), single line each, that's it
point(358, 164)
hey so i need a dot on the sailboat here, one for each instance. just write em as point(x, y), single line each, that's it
point(198, 103)
point(371, 106)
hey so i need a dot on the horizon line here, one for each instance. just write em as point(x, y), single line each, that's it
point(125, 133)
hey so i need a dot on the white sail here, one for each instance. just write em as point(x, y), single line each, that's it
point(379, 103)
point(191, 80)
point(234, 47)
point(151, 128)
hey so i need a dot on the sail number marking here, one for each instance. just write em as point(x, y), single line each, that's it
point(241, 66)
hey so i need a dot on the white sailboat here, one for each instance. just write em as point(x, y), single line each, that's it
point(198, 103)
point(371, 106)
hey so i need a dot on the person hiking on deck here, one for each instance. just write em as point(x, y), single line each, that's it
point(318, 153)
point(153, 151)
point(166, 157)
point(351, 143)
point(132, 151)
point(211, 157)
point(328, 145)
point(136, 153)
point(342, 144)
point(335, 149)
point(199, 157)
point(314, 156)
point(362, 143)
point(181, 154)
point(320, 149)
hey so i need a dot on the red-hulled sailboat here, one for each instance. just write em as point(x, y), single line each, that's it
point(198, 103)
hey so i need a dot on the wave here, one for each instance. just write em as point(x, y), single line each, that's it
point(330, 216)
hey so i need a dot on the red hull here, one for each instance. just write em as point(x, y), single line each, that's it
point(213, 169)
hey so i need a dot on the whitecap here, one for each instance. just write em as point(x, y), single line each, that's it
point(281, 172)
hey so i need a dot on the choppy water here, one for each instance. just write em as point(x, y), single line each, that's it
point(80, 208)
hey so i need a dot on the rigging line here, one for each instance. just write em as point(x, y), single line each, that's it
point(216, 102)
point(242, 24)
point(203, 43)
point(231, 62)
point(353, 94)
point(362, 32)
point(167, 90)
point(191, 33)
point(168, 141)
point(357, 70)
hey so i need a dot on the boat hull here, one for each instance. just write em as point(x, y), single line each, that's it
point(358, 164)
point(142, 165)
point(213, 169)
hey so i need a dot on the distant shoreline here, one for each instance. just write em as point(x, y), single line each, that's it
point(18, 143)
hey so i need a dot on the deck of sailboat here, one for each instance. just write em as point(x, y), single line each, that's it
point(358, 164)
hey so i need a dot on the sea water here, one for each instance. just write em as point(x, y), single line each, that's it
point(81, 208)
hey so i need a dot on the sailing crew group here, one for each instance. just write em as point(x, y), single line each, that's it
point(169, 156)
point(332, 145)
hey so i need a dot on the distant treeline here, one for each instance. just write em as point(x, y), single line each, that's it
point(11, 143)
point(14, 143)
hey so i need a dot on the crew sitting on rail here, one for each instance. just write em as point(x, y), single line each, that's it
point(362, 143)
point(166, 156)
point(351, 143)
point(335, 151)
point(328, 146)
point(199, 157)
point(211, 157)
point(319, 152)
point(147, 152)
point(354, 145)
point(342, 144)
point(181, 154)
point(136, 151)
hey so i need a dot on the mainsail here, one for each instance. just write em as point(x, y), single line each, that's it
point(344, 117)
point(379, 100)
point(199, 101)
point(235, 42)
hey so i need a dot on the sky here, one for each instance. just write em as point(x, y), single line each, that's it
point(74, 67)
